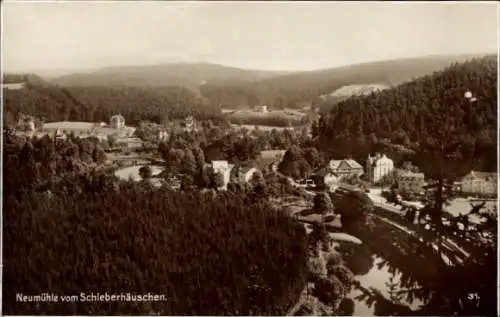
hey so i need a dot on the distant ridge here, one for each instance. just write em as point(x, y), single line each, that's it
point(179, 74)
point(235, 87)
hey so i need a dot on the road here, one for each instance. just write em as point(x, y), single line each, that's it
point(446, 243)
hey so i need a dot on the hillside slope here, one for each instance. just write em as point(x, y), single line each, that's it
point(421, 115)
point(96, 104)
point(188, 75)
point(303, 88)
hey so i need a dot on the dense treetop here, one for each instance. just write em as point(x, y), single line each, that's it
point(428, 115)
point(97, 104)
point(22, 78)
point(300, 89)
point(85, 231)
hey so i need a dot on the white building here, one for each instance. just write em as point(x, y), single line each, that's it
point(117, 122)
point(327, 178)
point(480, 183)
point(190, 124)
point(378, 166)
point(262, 109)
point(162, 135)
point(224, 168)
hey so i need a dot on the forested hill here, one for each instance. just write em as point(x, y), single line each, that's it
point(96, 104)
point(422, 113)
point(189, 75)
point(234, 87)
point(303, 88)
point(9, 78)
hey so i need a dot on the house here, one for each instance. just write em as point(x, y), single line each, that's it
point(224, 168)
point(117, 122)
point(261, 109)
point(410, 182)
point(326, 178)
point(27, 123)
point(190, 124)
point(162, 135)
point(480, 183)
point(377, 167)
point(129, 143)
point(58, 134)
point(345, 168)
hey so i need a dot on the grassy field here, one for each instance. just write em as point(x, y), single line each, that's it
point(84, 127)
point(244, 113)
point(260, 127)
point(13, 86)
point(133, 171)
point(281, 118)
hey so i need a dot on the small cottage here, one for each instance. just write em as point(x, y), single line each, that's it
point(480, 183)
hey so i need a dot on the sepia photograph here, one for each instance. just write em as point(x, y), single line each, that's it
point(249, 158)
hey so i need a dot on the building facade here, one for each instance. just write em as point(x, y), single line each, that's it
point(162, 135)
point(378, 167)
point(224, 168)
point(480, 183)
point(327, 179)
point(345, 168)
point(262, 109)
point(117, 122)
point(410, 182)
point(190, 124)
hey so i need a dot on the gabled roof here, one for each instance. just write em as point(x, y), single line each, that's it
point(353, 164)
point(406, 173)
point(334, 164)
point(117, 116)
point(220, 164)
point(324, 172)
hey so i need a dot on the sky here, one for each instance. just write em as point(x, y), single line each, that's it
point(254, 35)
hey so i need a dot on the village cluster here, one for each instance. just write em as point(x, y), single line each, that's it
point(125, 148)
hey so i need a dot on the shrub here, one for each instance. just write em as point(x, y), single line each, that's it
point(333, 258)
point(342, 273)
point(145, 172)
point(317, 267)
point(329, 290)
point(346, 307)
point(353, 208)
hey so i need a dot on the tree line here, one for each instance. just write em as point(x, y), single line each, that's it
point(98, 104)
point(41, 162)
point(428, 115)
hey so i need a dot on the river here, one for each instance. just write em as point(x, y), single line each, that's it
point(378, 277)
point(375, 272)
